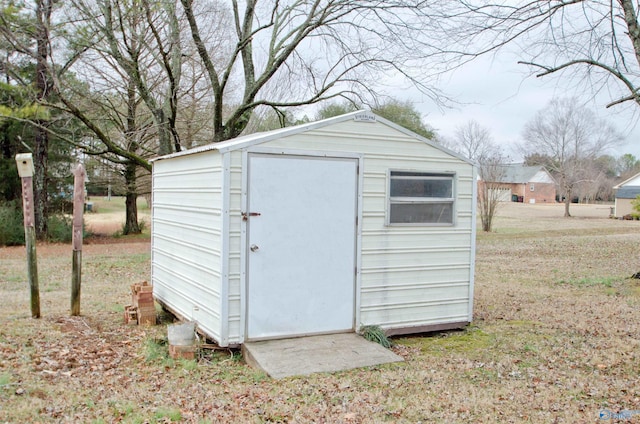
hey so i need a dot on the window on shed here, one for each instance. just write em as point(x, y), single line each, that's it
point(420, 198)
point(532, 187)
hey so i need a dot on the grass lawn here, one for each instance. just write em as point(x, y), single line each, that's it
point(108, 216)
point(555, 339)
point(104, 205)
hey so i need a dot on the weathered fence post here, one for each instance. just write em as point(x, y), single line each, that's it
point(78, 210)
point(24, 161)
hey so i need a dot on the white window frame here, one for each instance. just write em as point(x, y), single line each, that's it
point(449, 176)
point(532, 187)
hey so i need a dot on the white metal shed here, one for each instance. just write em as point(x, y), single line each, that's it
point(319, 228)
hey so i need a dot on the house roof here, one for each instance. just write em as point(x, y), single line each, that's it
point(521, 174)
point(262, 137)
point(633, 181)
point(629, 188)
point(627, 192)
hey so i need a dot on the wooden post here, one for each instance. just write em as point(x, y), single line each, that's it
point(78, 211)
point(24, 161)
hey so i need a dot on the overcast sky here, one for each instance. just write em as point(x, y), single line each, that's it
point(499, 95)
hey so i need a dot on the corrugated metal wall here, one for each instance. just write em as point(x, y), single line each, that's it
point(187, 237)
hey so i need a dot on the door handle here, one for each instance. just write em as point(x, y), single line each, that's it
point(246, 215)
point(254, 248)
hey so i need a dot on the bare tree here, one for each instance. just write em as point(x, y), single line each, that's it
point(278, 55)
point(572, 137)
point(476, 143)
point(144, 40)
point(132, 61)
point(125, 98)
point(44, 9)
point(490, 189)
point(594, 186)
point(596, 42)
point(292, 53)
point(605, 173)
point(194, 106)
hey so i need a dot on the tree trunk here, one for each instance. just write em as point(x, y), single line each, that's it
point(6, 143)
point(131, 225)
point(40, 182)
point(567, 202)
point(164, 132)
point(41, 142)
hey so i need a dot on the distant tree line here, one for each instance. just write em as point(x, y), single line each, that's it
point(569, 140)
point(115, 83)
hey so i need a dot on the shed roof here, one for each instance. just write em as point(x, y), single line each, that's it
point(262, 137)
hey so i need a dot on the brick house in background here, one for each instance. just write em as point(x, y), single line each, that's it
point(526, 184)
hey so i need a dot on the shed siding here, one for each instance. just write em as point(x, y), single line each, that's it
point(186, 248)
point(410, 276)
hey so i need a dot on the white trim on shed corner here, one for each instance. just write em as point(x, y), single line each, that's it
point(474, 229)
point(250, 140)
point(358, 270)
point(243, 226)
point(244, 240)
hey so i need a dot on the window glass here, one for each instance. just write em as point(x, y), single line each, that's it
point(421, 198)
point(411, 213)
point(421, 187)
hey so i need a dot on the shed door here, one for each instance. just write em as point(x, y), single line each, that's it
point(301, 248)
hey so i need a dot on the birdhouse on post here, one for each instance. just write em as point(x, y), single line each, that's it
point(25, 165)
point(24, 162)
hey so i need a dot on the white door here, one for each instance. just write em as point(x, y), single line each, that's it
point(301, 246)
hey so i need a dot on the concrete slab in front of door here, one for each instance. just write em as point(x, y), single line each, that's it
point(308, 355)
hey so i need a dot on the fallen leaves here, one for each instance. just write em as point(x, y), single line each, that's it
point(541, 352)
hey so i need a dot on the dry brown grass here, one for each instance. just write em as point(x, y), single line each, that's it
point(555, 339)
point(108, 218)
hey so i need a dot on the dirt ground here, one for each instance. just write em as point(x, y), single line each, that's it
point(96, 247)
point(555, 338)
